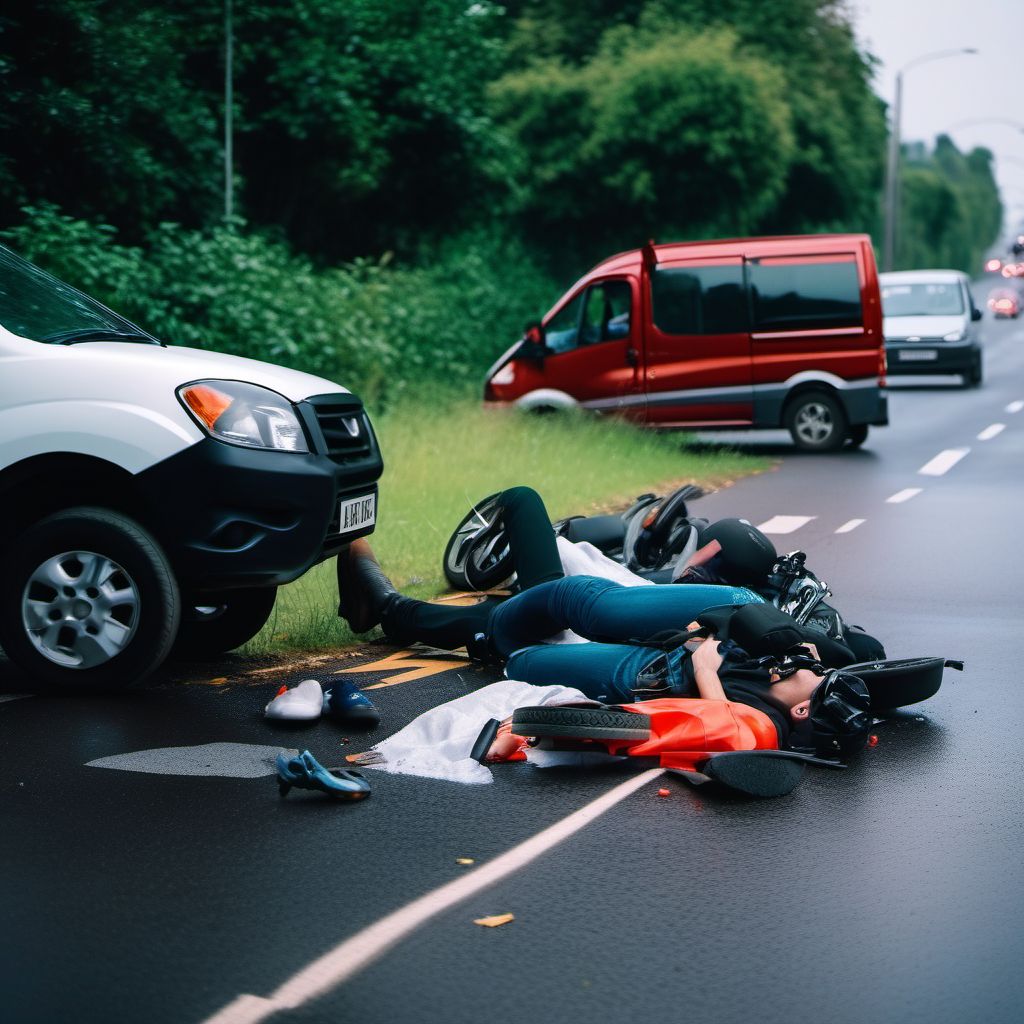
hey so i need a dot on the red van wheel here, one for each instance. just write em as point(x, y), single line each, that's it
point(816, 422)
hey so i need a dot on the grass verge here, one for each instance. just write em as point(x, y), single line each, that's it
point(439, 459)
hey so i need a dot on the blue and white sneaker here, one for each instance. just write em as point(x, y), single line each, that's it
point(346, 703)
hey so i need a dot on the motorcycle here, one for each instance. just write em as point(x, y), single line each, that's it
point(655, 537)
point(648, 537)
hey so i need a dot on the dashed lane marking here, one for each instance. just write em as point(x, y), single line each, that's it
point(943, 462)
point(1015, 406)
point(852, 524)
point(989, 432)
point(350, 957)
point(785, 524)
point(905, 495)
point(413, 668)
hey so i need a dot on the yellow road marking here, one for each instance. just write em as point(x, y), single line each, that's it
point(415, 668)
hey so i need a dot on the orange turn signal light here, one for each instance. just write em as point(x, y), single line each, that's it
point(207, 403)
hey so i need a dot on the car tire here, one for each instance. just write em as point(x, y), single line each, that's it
point(857, 435)
point(816, 422)
point(214, 623)
point(974, 376)
point(88, 600)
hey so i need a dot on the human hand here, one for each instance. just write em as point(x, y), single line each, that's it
point(507, 746)
point(707, 656)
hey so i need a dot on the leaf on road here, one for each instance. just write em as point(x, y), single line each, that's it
point(496, 921)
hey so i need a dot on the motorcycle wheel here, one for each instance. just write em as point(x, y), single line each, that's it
point(581, 723)
point(477, 556)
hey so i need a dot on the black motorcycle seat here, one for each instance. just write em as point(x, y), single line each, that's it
point(604, 532)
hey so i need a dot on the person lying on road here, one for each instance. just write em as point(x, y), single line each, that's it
point(732, 553)
point(809, 708)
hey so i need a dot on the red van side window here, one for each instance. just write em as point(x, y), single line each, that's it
point(601, 313)
point(799, 293)
point(695, 299)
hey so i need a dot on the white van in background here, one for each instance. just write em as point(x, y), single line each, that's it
point(929, 321)
point(153, 496)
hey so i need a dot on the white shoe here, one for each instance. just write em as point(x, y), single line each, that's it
point(302, 703)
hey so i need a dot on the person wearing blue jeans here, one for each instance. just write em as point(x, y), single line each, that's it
point(615, 665)
point(614, 618)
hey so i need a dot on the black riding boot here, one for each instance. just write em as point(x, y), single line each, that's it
point(405, 620)
point(363, 589)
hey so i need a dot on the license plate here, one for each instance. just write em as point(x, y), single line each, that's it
point(355, 513)
point(918, 353)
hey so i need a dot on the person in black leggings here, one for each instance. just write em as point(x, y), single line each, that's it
point(616, 665)
point(535, 559)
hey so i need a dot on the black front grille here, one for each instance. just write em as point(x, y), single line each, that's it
point(344, 427)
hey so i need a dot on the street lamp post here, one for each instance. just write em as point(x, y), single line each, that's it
point(228, 105)
point(893, 164)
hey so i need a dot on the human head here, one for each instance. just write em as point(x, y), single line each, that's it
point(831, 713)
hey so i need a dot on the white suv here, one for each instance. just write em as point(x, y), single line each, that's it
point(153, 496)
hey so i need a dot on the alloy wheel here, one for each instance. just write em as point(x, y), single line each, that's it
point(80, 609)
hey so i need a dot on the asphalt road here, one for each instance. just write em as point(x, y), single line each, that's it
point(891, 891)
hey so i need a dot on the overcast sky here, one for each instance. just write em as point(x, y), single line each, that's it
point(938, 95)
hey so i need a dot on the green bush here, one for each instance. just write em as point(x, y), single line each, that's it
point(384, 331)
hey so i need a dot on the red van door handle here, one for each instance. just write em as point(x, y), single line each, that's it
point(632, 356)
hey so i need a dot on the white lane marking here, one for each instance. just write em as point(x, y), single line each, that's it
point(785, 524)
point(905, 495)
point(4, 697)
point(943, 462)
point(1015, 406)
point(220, 760)
point(351, 956)
point(851, 525)
point(989, 432)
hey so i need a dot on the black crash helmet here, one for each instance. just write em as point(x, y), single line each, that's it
point(746, 553)
point(840, 717)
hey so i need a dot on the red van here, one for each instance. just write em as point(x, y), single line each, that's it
point(744, 333)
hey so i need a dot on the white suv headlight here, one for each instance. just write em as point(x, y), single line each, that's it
point(955, 335)
point(244, 414)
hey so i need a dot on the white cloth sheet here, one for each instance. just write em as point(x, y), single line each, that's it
point(437, 744)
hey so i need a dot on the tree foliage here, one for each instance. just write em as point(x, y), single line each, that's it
point(415, 178)
point(363, 125)
point(103, 114)
point(627, 145)
point(950, 210)
point(831, 154)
